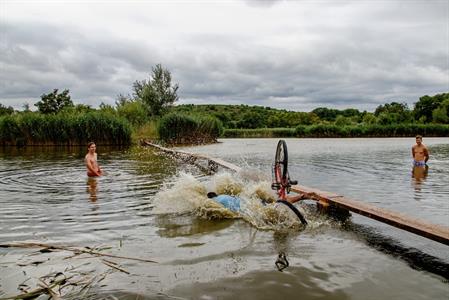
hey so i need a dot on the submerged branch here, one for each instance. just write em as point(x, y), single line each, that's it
point(75, 250)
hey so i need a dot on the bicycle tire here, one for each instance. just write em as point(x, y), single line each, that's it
point(281, 162)
point(295, 210)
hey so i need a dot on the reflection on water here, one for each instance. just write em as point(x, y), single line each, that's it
point(152, 207)
point(296, 283)
point(172, 226)
point(419, 175)
point(413, 257)
point(92, 184)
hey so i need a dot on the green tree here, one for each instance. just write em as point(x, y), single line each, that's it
point(251, 120)
point(393, 107)
point(400, 113)
point(385, 118)
point(424, 108)
point(324, 113)
point(369, 118)
point(53, 102)
point(107, 108)
point(224, 118)
point(26, 107)
point(134, 112)
point(351, 112)
point(122, 100)
point(6, 110)
point(83, 108)
point(342, 121)
point(303, 118)
point(158, 93)
point(273, 121)
point(441, 114)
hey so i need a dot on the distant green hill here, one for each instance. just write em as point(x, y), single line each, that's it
point(427, 110)
point(250, 117)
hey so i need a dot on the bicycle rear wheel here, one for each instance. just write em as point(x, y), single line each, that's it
point(281, 163)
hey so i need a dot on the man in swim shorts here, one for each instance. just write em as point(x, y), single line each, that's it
point(420, 153)
point(93, 170)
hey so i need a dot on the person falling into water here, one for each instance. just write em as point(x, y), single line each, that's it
point(233, 203)
point(420, 153)
point(93, 170)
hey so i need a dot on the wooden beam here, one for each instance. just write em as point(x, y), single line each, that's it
point(434, 232)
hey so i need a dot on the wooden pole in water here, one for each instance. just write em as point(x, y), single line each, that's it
point(431, 231)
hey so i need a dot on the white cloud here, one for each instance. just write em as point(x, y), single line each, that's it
point(287, 54)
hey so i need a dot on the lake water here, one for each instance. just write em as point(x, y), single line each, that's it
point(151, 206)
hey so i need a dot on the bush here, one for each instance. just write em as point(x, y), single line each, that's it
point(9, 130)
point(300, 130)
point(134, 112)
point(322, 130)
point(177, 128)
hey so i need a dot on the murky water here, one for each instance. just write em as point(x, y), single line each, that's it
point(150, 206)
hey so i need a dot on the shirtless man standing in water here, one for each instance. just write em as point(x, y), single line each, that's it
point(93, 170)
point(420, 153)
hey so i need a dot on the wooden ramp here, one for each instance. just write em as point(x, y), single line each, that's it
point(434, 232)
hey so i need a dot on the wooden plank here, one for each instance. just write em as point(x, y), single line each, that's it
point(434, 232)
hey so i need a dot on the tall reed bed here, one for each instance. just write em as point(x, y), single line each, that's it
point(397, 130)
point(64, 129)
point(177, 128)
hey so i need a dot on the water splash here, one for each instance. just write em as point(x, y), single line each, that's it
point(187, 194)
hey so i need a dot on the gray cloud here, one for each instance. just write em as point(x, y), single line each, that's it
point(351, 54)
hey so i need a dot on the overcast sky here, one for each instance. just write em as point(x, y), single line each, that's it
point(296, 55)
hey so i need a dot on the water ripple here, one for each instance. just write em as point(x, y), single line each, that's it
point(52, 197)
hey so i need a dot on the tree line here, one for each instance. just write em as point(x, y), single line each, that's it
point(427, 110)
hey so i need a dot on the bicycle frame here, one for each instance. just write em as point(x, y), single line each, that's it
point(281, 185)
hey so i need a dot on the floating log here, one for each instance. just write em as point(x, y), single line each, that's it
point(425, 229)
point(212, 163)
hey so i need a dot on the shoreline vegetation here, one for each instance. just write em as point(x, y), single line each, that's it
point(150, 113)
point(33, 129)
point(350, 131)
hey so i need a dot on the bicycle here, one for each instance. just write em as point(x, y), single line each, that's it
point(281, 181)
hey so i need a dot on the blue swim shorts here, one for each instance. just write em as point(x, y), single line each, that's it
point(419, 163)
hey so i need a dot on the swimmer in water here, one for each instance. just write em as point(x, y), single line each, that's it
point(93, 170)
point(420, 153)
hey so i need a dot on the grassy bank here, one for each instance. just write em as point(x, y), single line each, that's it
point(63, 129)
point(333, 131)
